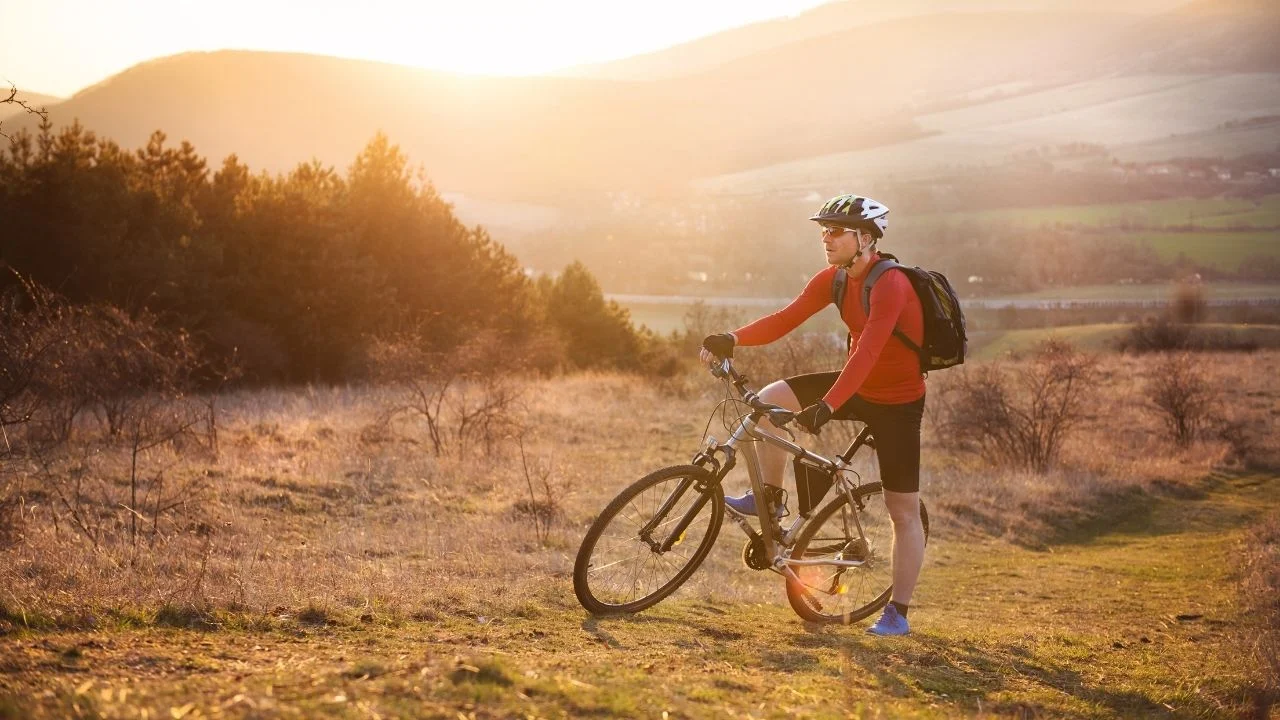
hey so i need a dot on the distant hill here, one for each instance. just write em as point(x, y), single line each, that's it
point(954, 87)
point(1205, 36)
point(1141, 117)
point(275, 110)
point(708, 52)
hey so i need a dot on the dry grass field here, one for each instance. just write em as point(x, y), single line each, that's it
point(321, 563)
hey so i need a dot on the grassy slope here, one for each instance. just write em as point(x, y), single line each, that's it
point(1153, 291)
point(1222, 231)
point(1103, 336)
point(1197, 212)
point(1223, 250)
point(1106, 623)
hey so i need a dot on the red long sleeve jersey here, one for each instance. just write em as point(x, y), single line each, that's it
point(880, 368)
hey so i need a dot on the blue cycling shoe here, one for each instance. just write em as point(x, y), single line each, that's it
point(891, 622)
point(746, 504)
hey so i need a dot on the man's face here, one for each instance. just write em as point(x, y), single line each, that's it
point(840, 244)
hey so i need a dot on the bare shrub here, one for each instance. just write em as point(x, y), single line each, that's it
point(1018, 414)
point(126, 487)
point(701, 320)
point(1155, 335)
point(62, 363)
point(795, 354)
point(1240, 435)
point(537, 476)
point(1167, 335)
point(1181, 395)
point(34, 332)
point(465, 398)
point(1175, 329)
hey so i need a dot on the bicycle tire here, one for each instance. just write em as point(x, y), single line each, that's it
point(588, 578)
point(827, 582)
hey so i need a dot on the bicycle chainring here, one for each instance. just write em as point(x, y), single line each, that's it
point(753, 554)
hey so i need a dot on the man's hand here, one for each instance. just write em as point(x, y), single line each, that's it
point(720, 345)
point(814, 417)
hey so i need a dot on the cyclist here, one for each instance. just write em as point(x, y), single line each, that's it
point(880, 384)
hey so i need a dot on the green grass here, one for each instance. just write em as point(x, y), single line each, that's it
point(1135, 617)
point(1098, 337)
point(1152, 291)
point(1089, 337)
point(1266, 215)
point(1223, 250)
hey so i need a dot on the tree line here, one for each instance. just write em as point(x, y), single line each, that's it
point(290, 277)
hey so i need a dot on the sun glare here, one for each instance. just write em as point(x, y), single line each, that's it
point(69, 44)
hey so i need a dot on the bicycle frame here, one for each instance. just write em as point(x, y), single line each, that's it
point(773, 535)
point(777, 542)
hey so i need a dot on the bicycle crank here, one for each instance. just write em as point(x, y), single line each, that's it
point(753, 554)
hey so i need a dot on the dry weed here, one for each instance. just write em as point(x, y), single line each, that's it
point(1261, 591)
point(302, 513)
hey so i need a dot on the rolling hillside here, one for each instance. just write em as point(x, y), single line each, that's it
point(708, 52)
point(1142, 117)
point(901, 95)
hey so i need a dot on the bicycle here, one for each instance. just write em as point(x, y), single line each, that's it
point(832, 557)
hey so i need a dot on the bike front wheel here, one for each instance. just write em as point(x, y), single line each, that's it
point(842, 532)
point(648, 540)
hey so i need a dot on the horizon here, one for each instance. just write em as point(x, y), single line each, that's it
point(58, 57)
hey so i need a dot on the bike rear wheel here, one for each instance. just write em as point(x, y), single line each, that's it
point(836, 594)
point(635, 554)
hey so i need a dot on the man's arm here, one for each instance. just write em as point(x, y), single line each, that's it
point(888, 298)
point(815, 296)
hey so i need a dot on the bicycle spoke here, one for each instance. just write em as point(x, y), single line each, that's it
point(846, 533)
point(623, 568)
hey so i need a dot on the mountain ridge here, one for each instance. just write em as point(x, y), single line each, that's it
point(530, 137)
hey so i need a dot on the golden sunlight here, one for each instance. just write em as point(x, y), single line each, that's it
point(67, 45)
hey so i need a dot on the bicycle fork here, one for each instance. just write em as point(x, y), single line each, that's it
point(677, 533)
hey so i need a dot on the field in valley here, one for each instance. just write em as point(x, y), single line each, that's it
point(1196, 213)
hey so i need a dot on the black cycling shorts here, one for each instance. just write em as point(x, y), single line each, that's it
point(896, 428)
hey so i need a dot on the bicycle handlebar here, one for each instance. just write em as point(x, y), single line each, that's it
point(779, 416)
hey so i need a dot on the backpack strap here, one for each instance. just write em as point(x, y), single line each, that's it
point(883, 265)
point(838, 285)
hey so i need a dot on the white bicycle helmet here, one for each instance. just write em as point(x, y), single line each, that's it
point(855, 212)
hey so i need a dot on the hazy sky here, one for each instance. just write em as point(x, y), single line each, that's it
point(61, 46)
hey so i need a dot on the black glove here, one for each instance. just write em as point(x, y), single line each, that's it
point(814, 417)
point(720, 345)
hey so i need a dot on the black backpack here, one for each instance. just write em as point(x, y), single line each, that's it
point(945, 340)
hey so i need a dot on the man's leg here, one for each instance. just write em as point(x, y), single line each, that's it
point(773, 461)
point(908, 542)
point(897, 432)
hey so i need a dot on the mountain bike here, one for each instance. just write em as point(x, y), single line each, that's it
point(652, 537)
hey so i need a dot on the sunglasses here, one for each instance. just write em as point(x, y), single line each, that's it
point(834, 230)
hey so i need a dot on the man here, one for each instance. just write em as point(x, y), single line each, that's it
point(880, 384)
